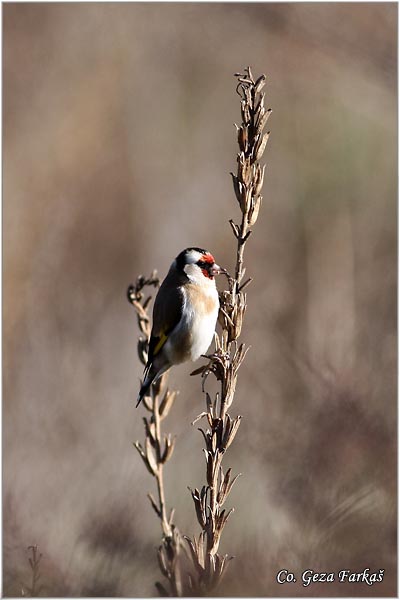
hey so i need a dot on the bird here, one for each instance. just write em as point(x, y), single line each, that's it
point(184, 314)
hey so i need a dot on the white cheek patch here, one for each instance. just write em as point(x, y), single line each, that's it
point(190, 269)
point(194, 273)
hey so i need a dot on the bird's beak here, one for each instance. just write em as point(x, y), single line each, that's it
point(216, 269)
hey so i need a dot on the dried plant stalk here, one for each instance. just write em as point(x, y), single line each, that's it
point(34, 562)
point(209, 565)
point(158, 447)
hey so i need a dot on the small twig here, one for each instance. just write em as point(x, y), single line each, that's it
point(34, 562)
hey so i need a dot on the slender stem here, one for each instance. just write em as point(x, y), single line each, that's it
point(166, 528)
point(240, 251)
point(161, 496)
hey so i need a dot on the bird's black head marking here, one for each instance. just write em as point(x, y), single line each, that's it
point(182, 258)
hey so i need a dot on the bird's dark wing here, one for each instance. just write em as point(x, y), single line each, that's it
point(167, 313)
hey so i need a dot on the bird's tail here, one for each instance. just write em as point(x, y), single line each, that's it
point(144, 389)
point(151, 374)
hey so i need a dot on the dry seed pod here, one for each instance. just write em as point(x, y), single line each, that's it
point(261, 81)
point(243, 195)
point(263, 120)
point(236, 188)
point(259, 179)
point(237, 318)
point(139, 448)
point(199, 506)
point(148, 403)
point(235, 228)
point(247, 201)
point(260, 104)
point(261, 146)
point(151, 459)
point(253, 214)
point(167, 403)
point(196, 552)
point(163, 562)
point(144, 457)
point(244, 171)
point(169, 448)
point(209, 405)
point(231, 484)
point(243, 138)
point(233, 431)
point(245, 112)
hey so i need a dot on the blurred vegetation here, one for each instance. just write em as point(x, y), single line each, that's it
point(113, 114)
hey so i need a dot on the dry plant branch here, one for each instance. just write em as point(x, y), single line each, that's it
point(224, 363)
point(158, 447)
point(34, 561)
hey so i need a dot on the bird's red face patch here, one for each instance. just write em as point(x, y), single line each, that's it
point(208, 259)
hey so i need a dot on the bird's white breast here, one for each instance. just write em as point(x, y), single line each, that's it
point(194, 334)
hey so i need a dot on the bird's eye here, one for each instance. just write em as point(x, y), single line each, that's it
point(203, 264)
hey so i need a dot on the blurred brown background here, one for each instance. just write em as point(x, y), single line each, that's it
point(118, 142)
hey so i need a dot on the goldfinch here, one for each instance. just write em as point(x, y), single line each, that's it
point(184, 315)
